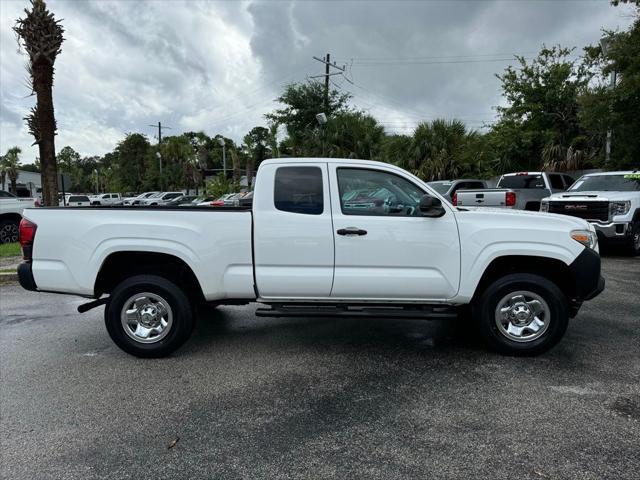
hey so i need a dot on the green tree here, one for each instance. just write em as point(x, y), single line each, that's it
point(9, 168)
point(41, 36)
point(220, 185)
point(542, 110)
point(301, 103)
point(129, 160)
point(395, 149)
point(69, 162)
point(617, 108)
point(255, 149)
point(442, 149)
point(353, 135)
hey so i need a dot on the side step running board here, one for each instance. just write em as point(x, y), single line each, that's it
point(353, 311)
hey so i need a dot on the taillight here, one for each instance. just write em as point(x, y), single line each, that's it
point(510, 199)
point(26, 234)
point(455, 199)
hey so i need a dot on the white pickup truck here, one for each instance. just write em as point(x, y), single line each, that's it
point(316, 242)
point(11, 208)
point(610, 201)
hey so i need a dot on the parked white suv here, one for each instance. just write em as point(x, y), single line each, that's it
point(610, 201)
point(106, 199)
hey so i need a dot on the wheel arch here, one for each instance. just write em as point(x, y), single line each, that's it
point(11, 216)
point(118, 266)
point(552, 269)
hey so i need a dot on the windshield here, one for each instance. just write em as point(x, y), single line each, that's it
point(521, 181)
point(441, 187)
point(607, 183)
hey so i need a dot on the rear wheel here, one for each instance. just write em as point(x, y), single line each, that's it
point(9, 231)
point(522, 314)
point(148, 316)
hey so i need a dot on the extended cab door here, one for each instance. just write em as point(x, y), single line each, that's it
point(384, 248)
point(293, 234)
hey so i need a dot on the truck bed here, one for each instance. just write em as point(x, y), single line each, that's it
point(73, 243)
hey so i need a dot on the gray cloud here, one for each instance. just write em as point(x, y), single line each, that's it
point(217, 66)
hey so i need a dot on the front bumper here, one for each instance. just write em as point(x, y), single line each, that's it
point(613, 230)
point(588, 279)
point(25, 277)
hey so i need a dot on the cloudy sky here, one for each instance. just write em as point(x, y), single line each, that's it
point(218, 66)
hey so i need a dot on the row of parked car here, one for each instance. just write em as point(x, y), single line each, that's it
point(610, 201)
point(156, 198)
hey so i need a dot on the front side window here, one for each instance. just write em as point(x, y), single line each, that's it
point(373, 192)
point(299, 190)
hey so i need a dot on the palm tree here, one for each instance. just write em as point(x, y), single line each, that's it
point(10, 163)
point(438, 150)
point(41, 36)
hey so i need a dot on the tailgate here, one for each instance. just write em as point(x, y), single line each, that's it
point(489, 197)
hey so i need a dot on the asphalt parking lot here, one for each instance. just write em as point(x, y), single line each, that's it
point(301, 398)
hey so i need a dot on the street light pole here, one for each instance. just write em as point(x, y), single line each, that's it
point(222, 143)
point(159, 155)
point(604, 45)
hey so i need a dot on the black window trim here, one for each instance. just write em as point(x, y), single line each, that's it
point(378, 171)
point(322, 180)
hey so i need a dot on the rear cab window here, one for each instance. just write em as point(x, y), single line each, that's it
point(299, 190)
point(522, 181)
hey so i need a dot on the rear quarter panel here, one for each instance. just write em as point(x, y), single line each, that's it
point(72, 244)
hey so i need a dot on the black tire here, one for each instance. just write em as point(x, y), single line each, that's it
point(633, 247)
point(180, 329)
point(484, 312)
point(532, 206)
point(9, 231)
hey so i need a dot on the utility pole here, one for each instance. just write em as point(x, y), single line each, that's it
point(327, 66)
point(160, 127)
point(327, 73)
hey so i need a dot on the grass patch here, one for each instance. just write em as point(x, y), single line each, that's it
point(7, 270)
point(10, 250)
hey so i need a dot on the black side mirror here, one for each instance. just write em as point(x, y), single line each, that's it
point(431, 207)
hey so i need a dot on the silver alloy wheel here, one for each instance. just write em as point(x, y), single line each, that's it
point(9, 233)
point(146, 317)
point(522, 316)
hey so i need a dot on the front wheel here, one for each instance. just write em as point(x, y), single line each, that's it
point(633, 247)
point(148, 316)
point(522, 314)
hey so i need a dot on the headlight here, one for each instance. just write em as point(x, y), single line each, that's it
point(544, 206)
point(586, 237)
point(619, 208)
